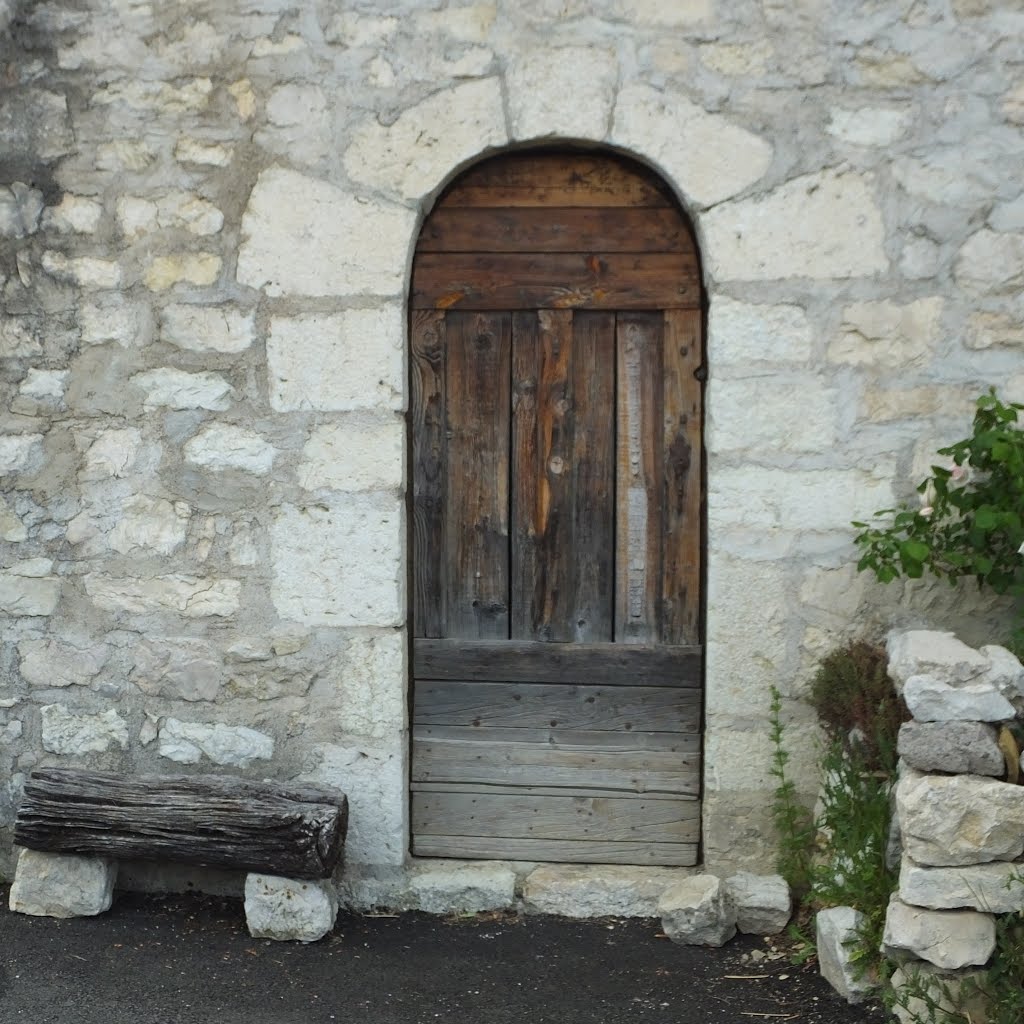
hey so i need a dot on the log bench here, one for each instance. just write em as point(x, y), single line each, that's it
point(75, 826)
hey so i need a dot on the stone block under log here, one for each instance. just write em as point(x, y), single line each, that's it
point(209, 820)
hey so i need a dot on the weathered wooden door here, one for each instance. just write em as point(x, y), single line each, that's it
point(556, 444)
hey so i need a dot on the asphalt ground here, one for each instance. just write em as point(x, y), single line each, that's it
point(189, 959)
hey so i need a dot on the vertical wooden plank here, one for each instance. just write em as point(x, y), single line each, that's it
point(428, 471)
point(638, 478)
point(593, 390)
point(682, 497)
point(478, 384)
point(524, 486)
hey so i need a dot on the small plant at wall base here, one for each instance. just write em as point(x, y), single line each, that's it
point(971, 519)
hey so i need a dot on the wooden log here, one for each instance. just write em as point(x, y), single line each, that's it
point(210, 820)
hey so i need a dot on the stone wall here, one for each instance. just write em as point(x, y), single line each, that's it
point(207, 214)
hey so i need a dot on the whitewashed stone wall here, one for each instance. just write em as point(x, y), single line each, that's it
point(207, 214)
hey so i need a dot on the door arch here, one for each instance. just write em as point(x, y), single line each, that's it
point(556, 416)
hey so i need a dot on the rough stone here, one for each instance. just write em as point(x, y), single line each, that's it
point(179, 668)
point(356, 454)
point(869, 126)
point(329, 243)
point(62, 885)
point(195, 268)
point(20, 453)
point(455, 887)
point(178, 389)
point(950, 939)
point(222, 446)
point(994, 330)
point(207, 328)
point(931, 700)
point(717, 158)
point(190, 742)
point(696, 912)
point(991, 262)
point(887, 334)
point(836, 928)
point(65, 732)
point(569, 890)
point(87, 272)
point(192, 596)
point(964, 748)
point(28, 593)
point(125, 322)
point(20, 209)
point(953, 994)
point(762, 902)
point(151, 524)
point(288, 909)
point(778, 236)
point(1004, 671)
point(747, 335)
point(959, 820)
point(992, 888)
point(59, 662)
point(930, 652)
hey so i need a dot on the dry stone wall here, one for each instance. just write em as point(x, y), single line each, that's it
point(207, 214)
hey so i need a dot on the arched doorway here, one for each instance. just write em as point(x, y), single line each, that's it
point(556, 364)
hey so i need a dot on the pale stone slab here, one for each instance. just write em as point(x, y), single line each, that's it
point(112, 454)
point(414, 155)
point(762, 902)
point(600, 891)
point(177, 389)
point(66, 732)
point(20, 453)
point(194, 268)
point(869, 126)
point(355, 454)
point(953, 996)
point(153, 524)
point(742, 335)
point(60, 662)
point(190, 742)
point(288, 909)
point(888, 334)
point(964, 748)
point(20, 208)
point(180, 668)
point(223, 446)
point(125, 322)
point(960, 819)
point(708, 157)
point(696, 912)
point(62, 885)
point(836, 929)
point(931, 700)
point(303, 236)
point(343, 565)
point(934, 653)
point(950, 939)
point(993, 888)
point(337, 362)
point(1004, 671)
point(990, 263)
point(207, 328)
point(28, 595)
point(779, 236)
point(87, 272)
point(192, 596)
point(454, 887)
point(541, 79)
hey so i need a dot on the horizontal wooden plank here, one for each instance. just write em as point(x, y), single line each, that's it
point(572, 741)
point(526, 816)
point(497, 789)
point(556, 851)
point(528, 661)
point(564, 229)
point(536, 705)
point(505, 281)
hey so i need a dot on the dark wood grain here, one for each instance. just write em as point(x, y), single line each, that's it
point(213, 821)
point(556, 851)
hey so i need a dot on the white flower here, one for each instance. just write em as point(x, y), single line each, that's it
point(1020, 550)
point(928, 510)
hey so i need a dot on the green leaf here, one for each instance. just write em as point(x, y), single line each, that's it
point(914, 550)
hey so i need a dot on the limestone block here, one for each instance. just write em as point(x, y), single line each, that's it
point(125, 322)
point(993, 888)
point(1008, 216)
point(737, 407)
point(356, 454)
point(963, 748)
point(207, 328)
point(991, 263)
point(343, 565)
point(539, 81)
point(178, 389)
point(84, 271)
point(59, 662)
point(20, 337)
point(1004, 671)
point(778, 236)
point(195, 268)
point(65, 732)
point(960, 819)
point(113, 453)
point(696, 912)
point(190, 742)
point(762, 902)
point(337, 362)
point(153, 524)
point(887, 334)
point(35, 124)
point(453, 887)
point(44, 384)
point(207, 154)
point(374, 774)
point(836, 928)
point(354, 29)
point(289, 909)
point(156, 97)
point(301, 236)
point(680, 14)
point(20, 209)
point(369, 691)
point(223, 446)
point(869, 126)
point(921, 259)
point(950, 939)
point(300, 128)
point(569, 890)
point(62, 885)
point(25, 590)
point(745, 334)
point(949, 996)
point(191, 596)
point(931, 700)
point(738, 59)
point(708, 157)
point(11, 527)
point(179, 668)
point(931, 652)
point(20, 453)
point(994, 330)
point(428, 141)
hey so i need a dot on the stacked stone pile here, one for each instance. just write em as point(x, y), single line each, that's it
point(960, 819)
